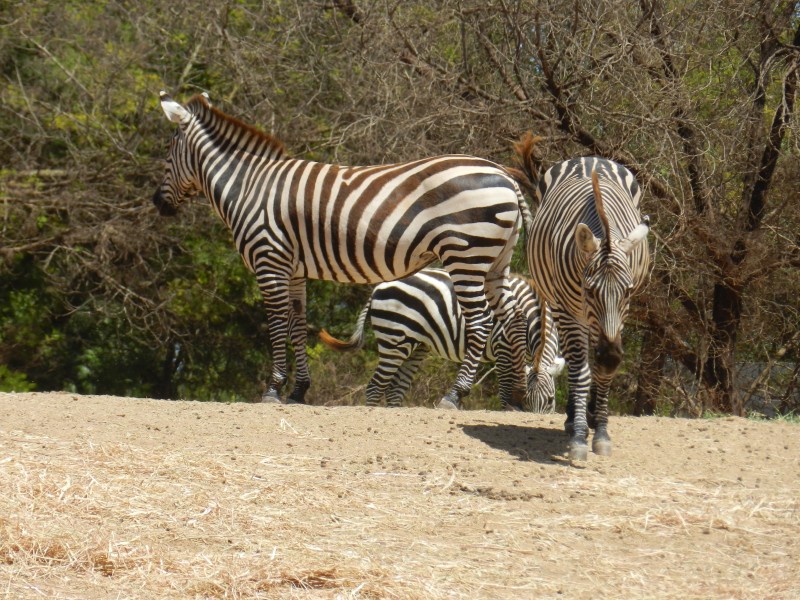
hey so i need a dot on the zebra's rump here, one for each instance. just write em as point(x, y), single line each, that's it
point(424, 308)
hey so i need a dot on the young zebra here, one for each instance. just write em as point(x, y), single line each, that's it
point(420, 314)
point(587, 250)
point(294, 219)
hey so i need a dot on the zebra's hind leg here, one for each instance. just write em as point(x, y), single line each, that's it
point(405, 375)
point(298, 333)
point(477, 321)
point(392, 354)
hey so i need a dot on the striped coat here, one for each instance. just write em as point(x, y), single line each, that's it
point(587, 252)
point(294, 219)
point(417, 315)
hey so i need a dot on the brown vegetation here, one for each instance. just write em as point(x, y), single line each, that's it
point(697, 99)
point(107, 496)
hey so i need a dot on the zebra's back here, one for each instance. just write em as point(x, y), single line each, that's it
point(567, 199)
point(582, 167)
point(421, 307)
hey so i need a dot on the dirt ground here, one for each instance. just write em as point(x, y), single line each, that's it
point(105, 497)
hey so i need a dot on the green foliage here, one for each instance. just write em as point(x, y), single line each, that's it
point(14, 381)
point(28, 337)
point(220, 343)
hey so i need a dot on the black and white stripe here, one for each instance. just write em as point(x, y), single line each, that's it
point(588, 253)
point(420, 314)
point(294, 219)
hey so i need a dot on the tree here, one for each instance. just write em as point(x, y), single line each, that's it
point(698, 99)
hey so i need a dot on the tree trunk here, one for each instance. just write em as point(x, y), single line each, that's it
point(718, 372)
point(164, 387)
point(651, 373)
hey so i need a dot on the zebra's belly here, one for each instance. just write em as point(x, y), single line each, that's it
point(353, 271)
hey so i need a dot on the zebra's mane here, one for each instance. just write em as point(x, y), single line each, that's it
point(199, 105)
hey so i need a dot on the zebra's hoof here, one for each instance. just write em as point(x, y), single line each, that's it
point(447, 404)
point(267, 398)
point(578, 452)
point(601, 447)
point(511, 408)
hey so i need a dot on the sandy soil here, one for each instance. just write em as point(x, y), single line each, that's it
point(105, 497)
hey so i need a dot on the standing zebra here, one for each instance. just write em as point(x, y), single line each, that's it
point(294, 219)
point(420, 313)
point(587, 252)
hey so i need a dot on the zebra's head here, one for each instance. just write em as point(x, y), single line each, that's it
point(180, 179)
point(608, 282)
point(541, 388)
point(541, 393)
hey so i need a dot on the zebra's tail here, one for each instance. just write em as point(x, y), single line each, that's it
point(529, 163)
point(356, 341)
point(527, 215)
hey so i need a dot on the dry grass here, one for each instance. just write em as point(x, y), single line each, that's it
point(403, 514)
point(155, 522)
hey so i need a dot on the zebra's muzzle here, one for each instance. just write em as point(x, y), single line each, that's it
point(165, 209)
point(608, 355)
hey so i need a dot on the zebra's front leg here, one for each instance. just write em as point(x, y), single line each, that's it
point(578, 427)
point(590, 410)
point(510, 344)
point(510, 364)
point(574, 339)
point(298, 334)
point(506, 378)
point(601, 442)
point(392, 355)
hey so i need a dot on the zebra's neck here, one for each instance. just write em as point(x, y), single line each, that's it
point(226, 177)
point(228, 154)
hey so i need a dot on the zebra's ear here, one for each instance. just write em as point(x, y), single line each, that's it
point(585, 239)
point(174, 111)
point(634, 238)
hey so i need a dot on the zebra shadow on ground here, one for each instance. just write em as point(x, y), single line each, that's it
point(529, 443)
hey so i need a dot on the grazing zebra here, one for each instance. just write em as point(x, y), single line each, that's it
point(587, 252)
point(294, 219)
point(420, 313)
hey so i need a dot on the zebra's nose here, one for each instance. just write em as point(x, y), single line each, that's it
point(608, 354)
point(518, 395)
point(165, 209)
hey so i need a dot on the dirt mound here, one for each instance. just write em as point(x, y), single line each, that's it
point(120, 497)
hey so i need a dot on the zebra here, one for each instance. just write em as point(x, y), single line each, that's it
point(587, 253)
point(420, 314)
point(294, 219)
